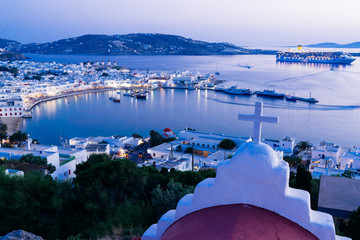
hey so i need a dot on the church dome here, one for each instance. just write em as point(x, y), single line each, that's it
point(234, 222)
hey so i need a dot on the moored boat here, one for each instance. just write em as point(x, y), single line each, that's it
point(290, 98)
point(270, 93)
point(140, 96)
point(238, 91)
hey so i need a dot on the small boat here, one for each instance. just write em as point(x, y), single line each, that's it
point(111, 98)
point(270, 93)
point(116, 100)
point(140, 96)
point(118, 92)
point(129, 94)
point(217, 73)
point(190, 88)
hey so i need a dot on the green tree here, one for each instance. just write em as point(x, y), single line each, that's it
point(303, 178)
point(314, 194)
point(348, 174)
point(293, 160)
point(14, 71)
point(3, 129)
point(155, 138)
point(189, 150)
point(136, 135)
point(169, 139)
point(104, 74)
point(303, 145)
point(37, 77)
point(164, 200)
point(227, 144)
point(18, 137)
point(93, 160)
point(354, 225)
point(30, 158)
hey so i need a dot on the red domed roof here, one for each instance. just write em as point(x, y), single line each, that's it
point(167, 130)
point(235, 221)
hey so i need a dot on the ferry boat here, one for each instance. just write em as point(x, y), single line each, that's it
point(311, 56)
point(238, 91)
point(270, 93)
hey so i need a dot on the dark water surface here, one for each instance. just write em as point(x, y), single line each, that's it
point(335, 118)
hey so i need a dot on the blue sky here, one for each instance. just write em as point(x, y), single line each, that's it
point(243, 22)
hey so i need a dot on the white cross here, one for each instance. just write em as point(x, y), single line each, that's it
point(258, 119)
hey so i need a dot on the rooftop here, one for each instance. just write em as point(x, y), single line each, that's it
point(235, 221)
point(339, 193)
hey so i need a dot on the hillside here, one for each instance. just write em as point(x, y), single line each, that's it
point(5, 43)
point(133, 44)
point(10, 56)
point(335, 45)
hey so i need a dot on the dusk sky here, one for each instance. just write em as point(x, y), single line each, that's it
point(245, 23)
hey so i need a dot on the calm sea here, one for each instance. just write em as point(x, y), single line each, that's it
point(335, 118)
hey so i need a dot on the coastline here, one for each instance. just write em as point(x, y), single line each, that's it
point(13, 123)
point(67, 95)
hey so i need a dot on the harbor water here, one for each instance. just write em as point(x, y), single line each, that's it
point(335, 118)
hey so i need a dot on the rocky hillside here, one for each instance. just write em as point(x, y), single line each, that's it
point(131, 44)
point(10, 56)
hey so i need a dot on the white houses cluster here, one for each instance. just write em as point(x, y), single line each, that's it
point(65, 158)
point(205, 148)
point(11, 107)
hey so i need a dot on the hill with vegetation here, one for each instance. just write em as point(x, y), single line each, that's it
point(131, 44)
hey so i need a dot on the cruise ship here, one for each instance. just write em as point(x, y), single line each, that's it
point(309, 56)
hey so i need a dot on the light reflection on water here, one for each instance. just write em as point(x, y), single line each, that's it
point(334, 118)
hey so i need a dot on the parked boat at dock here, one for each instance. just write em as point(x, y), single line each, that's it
point(309, 100)
point(270, 93)
point(129, 94)
point(238, 91)
point(141, 96)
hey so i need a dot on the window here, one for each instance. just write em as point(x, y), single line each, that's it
point(0, 109)
point(5, 114)
point(20, 113)
point(69, 171)
point(208, 145)
point(0, 114)
point(19, 109)
point(10, 114)
point(203, 145)
point(15, 114)
point(154, 154)
point(14, 109)
point(10, 109)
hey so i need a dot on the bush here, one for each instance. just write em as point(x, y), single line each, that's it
point(227, 144)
